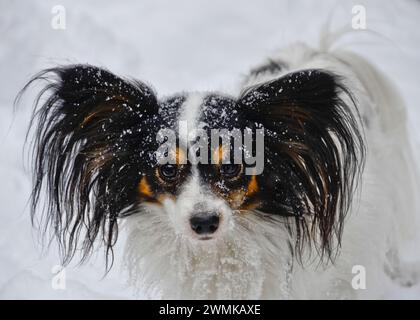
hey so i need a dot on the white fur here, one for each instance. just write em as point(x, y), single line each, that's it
point(250, 258)
point(191, 110)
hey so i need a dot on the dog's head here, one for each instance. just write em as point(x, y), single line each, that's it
point(98, 154)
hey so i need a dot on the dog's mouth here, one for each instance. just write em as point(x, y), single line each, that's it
point(205, 238)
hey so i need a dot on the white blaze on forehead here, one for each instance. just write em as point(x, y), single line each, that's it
point(191, 109)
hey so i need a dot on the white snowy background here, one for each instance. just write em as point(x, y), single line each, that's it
point(173, 45)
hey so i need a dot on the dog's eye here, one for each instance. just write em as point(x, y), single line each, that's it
point(230, 170)
point(168, 171)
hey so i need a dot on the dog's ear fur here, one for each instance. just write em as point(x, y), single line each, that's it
point(314, 152)
point(88, 152)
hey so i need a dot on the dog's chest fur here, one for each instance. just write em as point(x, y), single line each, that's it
point(252, 262)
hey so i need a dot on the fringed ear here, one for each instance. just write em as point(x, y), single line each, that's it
point(89, 151)
point(314, 152)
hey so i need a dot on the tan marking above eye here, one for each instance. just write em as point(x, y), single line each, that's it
point(178, 157)
point(181, 157)
point(219, 154)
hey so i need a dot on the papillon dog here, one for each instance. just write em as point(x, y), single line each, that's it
point(332, 200)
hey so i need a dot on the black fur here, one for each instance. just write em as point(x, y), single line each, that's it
point(314, 152)
point(94, 136)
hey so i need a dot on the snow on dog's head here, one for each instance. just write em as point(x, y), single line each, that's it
point(98, 144)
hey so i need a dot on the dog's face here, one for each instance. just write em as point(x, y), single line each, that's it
point(205, 199)
point(98, 137)
point(201, 196)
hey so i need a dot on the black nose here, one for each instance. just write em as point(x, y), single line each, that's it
point(204, 223)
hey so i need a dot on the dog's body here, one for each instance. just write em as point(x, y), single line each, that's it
point(258, 264)
point(282, 234)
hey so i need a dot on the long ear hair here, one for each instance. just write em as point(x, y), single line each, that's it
point(88, 152)
point(314, 152)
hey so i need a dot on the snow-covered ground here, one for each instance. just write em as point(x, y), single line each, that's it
point(173, 45)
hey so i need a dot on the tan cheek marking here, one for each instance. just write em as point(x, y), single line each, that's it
point(249, 206)
point(236, 198)
point(145, 191)
point(251, 190)
point(252, 186)
point(144, 188)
